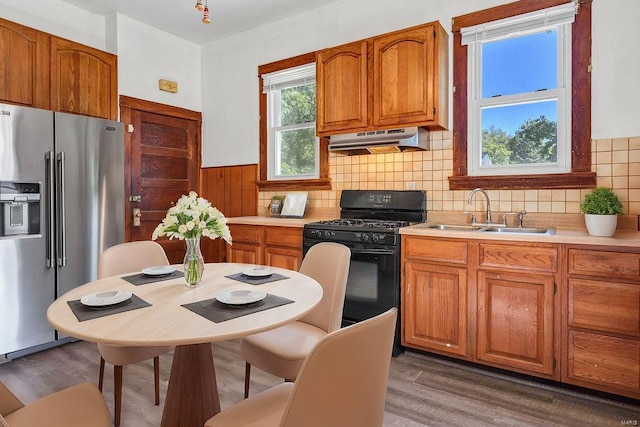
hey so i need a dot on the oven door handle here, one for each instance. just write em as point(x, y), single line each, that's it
point(372, 251)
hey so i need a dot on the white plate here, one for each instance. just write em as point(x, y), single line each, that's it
point(160, 270)
point(241, 297)
point(258, 272)
point(105, 298)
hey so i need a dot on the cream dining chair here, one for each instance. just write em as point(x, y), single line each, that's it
point(282, 351)
point(343, 383)
point(120, 259)
point(81, 405)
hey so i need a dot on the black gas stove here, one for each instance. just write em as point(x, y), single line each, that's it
point(370, 217)
point(369, 225)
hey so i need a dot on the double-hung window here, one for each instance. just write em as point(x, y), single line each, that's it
point(522, 96)
point(293, 148)
point(519, 106)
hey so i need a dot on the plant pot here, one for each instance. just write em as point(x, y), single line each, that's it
point(601, 225)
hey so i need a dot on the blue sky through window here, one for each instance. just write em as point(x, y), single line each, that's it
point(520, 64)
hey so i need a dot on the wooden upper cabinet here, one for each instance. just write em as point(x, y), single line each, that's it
point(341, 86)
point(24, 65)
point(409, 77)
point(84, 80)
point(396, 79)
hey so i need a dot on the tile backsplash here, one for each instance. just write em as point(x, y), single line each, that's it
point(616, 162)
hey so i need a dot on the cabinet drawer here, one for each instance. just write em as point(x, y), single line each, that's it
point(283, 236)
point(246, 233)
point(451, 251)
point(525, 257)
point(608, 361)
point(603, 263)
point(604, 306)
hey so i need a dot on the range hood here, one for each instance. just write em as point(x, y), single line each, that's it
point(380, 141)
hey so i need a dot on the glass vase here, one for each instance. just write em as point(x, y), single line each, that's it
point(193, 263)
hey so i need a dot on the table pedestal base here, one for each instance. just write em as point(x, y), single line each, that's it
point(192, 394)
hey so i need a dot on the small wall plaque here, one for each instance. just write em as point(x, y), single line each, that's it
point(168, 86)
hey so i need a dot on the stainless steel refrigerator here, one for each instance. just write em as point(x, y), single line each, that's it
point(61, 205)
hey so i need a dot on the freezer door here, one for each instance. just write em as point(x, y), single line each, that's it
point(27, 284)
point(90, 202)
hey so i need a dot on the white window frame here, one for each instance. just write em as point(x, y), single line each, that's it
point(559, 18)
point(273, 84)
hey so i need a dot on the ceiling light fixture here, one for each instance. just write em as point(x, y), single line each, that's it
point(205, 10)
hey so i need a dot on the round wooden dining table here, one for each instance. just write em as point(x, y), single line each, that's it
point(192, 393)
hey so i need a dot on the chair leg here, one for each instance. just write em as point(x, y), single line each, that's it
point(117, 390)
point(101, 376)
point(247, 377)
point(156, 377)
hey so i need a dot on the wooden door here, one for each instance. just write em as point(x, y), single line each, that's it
point(435, 307)
point(515, 320)
point(84, 80)
point(404, 77)
point(163, 153)
point(342, 87)
point(24, 65)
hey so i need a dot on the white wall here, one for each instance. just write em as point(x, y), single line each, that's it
point(615, 97)
point(146, 54)
point(230, 106)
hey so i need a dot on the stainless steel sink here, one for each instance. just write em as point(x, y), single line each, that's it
point(520, 230)
point(450, 227)
point(489, 229)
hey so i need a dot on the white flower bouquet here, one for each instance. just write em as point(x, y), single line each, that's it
point(193, 217)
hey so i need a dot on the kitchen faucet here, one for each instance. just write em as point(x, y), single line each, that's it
point(486, 196)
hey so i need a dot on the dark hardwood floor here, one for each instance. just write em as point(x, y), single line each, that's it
point(423, 390)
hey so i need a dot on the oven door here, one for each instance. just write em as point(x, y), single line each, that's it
point(373, 285)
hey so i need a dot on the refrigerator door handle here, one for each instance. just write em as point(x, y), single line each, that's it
point(50, 188)
point(62, 223)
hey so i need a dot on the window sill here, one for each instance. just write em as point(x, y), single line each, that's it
point(306, 184)
point(526, 182)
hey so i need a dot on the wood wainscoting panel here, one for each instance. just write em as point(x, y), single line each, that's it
point(233, 190)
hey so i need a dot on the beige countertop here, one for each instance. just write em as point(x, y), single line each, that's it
point(564, 234)
point(276, 221)
point(623, 237)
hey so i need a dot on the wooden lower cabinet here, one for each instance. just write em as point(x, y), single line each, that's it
point(435, 308)
point(515, 320)
point(266, 245)
point(516, 284)
point(283, 247)
point(489, 302)
point(601, 328)
point(434, 295)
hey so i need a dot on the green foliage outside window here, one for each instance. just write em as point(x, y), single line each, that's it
point(535, 141)
point(298, 146)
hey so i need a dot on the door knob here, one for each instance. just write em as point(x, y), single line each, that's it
point(136, 217)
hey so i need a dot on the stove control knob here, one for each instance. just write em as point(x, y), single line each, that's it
point(365, 237)
point(327, 234)
point(377, 237)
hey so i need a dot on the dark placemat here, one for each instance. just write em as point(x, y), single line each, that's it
point(83, 312)
point(217, 312)
point(143, 279)
point(241, 277)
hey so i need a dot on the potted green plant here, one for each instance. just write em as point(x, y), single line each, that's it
point(601, 208)
point(275, 207)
